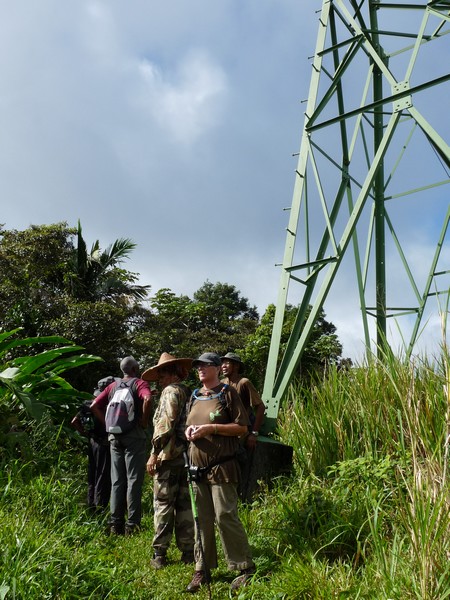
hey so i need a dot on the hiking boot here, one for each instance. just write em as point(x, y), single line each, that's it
point(159, 561)
point(197, 580)
point(187, 558)
point(131, 529)
point(116, 529)
point(242, 579)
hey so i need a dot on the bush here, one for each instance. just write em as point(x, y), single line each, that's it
point(35, 400)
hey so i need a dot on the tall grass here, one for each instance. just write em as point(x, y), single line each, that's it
point(375, 441)
point(364, 516)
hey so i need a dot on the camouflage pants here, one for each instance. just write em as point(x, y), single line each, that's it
point(172, 506)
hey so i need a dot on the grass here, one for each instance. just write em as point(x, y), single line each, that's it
point(364, 516)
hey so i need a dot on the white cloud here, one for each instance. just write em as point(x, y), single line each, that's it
point(173, 124)
point(187, 102)
point(100, 34)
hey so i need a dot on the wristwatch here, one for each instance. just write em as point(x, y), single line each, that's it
point(255, 433)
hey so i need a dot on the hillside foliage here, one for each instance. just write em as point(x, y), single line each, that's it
point(364, 515)
point(54, 284)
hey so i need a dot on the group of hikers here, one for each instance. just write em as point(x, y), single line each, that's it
point(193, 459)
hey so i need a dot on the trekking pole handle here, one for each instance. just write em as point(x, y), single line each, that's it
point(186, 460)
point(191, 487)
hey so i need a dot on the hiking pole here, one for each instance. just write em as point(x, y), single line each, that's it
point(197, 524)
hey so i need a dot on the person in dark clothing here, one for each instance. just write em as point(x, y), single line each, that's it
point(99, 458)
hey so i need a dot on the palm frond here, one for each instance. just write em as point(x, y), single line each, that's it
point(117, 251)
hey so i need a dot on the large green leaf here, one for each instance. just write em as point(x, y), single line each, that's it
point(33, 407)
point(8, 334)
point(33, 385)
point(62, 396)
point(9, 373)
point(29, 364)
point(30, 341)
point(64, 364)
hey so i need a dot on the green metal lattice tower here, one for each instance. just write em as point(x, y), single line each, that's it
point(372, 155)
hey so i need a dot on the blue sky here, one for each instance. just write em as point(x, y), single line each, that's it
point(173, 124)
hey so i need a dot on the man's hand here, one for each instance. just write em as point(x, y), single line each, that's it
point(251, 441)
point(152, 464)
point(78, 426)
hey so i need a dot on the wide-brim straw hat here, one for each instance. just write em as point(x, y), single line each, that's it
point(165, 360)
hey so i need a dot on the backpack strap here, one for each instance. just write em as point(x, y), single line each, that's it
point(131, 383)
point(220, 395)
point(113, 389)
point(192, 399)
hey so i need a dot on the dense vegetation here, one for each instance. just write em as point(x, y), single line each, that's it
point(364, 515)
point(53, 285)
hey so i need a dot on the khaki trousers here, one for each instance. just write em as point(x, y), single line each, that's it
point(217, 504)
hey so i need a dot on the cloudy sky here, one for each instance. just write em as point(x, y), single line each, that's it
point(172, 123)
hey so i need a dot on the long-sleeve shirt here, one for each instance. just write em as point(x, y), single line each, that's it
point(169, 423)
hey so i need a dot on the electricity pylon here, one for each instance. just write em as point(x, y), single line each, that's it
point(372, 154)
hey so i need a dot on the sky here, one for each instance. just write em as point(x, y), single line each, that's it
point(174, 124)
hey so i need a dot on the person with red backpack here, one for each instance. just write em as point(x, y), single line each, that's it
point(125, 408)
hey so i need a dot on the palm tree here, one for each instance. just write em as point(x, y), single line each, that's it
point(97, 276)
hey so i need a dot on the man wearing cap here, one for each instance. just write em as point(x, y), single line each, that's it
point(232, 367)
point(172, 504)
point(128, 450)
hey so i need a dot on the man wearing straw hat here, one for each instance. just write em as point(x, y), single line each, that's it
point(172, 505)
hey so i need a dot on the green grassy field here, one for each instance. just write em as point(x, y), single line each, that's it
point(364, 515)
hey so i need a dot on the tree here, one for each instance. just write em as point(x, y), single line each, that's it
point(223, 307)
point(96, 276)
point(103, 328)
point(51, 287)
point(33, 266)
point(255, 351)
point(218, 319)
point(162, 328)
point(323, 347)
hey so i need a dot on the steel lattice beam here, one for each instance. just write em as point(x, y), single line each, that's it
point(364, 119)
